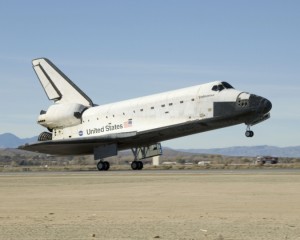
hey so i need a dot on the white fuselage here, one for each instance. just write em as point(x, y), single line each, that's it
point(150, 112)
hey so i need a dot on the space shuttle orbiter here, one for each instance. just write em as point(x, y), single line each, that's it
point(77, 126)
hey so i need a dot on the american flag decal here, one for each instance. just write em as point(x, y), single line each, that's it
point(128, 123)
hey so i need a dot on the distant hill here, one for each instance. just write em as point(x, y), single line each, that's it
point(9, 140)
point(250, 151)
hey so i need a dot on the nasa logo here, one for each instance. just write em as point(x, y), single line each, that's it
point(80, 133)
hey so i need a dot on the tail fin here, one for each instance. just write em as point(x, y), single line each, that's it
point(57, 85)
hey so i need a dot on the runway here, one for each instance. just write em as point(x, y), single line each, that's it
point(164, 204)
point(164, 172)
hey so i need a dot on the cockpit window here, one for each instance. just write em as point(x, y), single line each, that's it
point(227, 85)
point(220, 87)
point(215, 88)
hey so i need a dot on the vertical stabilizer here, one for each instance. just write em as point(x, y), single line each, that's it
point(57, 85)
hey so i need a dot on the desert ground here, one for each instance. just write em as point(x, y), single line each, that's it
point(153, 204)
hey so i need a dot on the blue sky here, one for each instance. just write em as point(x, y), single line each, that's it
point(115, 50)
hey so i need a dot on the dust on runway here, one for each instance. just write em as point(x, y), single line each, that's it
point(151, 204)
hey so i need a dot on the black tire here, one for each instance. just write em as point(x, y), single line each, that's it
point(100, 166)
point(140, 165)
point(134, 165)
point(247, 133)
point(106, 166)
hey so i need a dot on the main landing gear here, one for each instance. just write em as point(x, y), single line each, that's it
point(139, 153)
point(137, 165)
point(103, 165)
point(248, 132)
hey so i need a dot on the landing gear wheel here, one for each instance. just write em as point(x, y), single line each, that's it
point(100, 166)
point(249, 133)
point(103, 166)
point(134, 165)
point(106, 165)
point(140, 165)
point(137, 165)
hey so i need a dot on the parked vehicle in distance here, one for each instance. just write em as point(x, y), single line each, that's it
point(266, 159)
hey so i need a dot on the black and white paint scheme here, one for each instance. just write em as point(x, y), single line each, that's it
point(76, 125)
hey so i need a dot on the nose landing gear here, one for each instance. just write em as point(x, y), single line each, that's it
point(248, 132)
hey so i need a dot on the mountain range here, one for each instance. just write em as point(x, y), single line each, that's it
point(264, 150)
point(9, 140)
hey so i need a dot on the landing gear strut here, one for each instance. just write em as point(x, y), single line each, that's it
point(136, 164)
point(142, 152)
point(248, 132)
point(103, 165)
